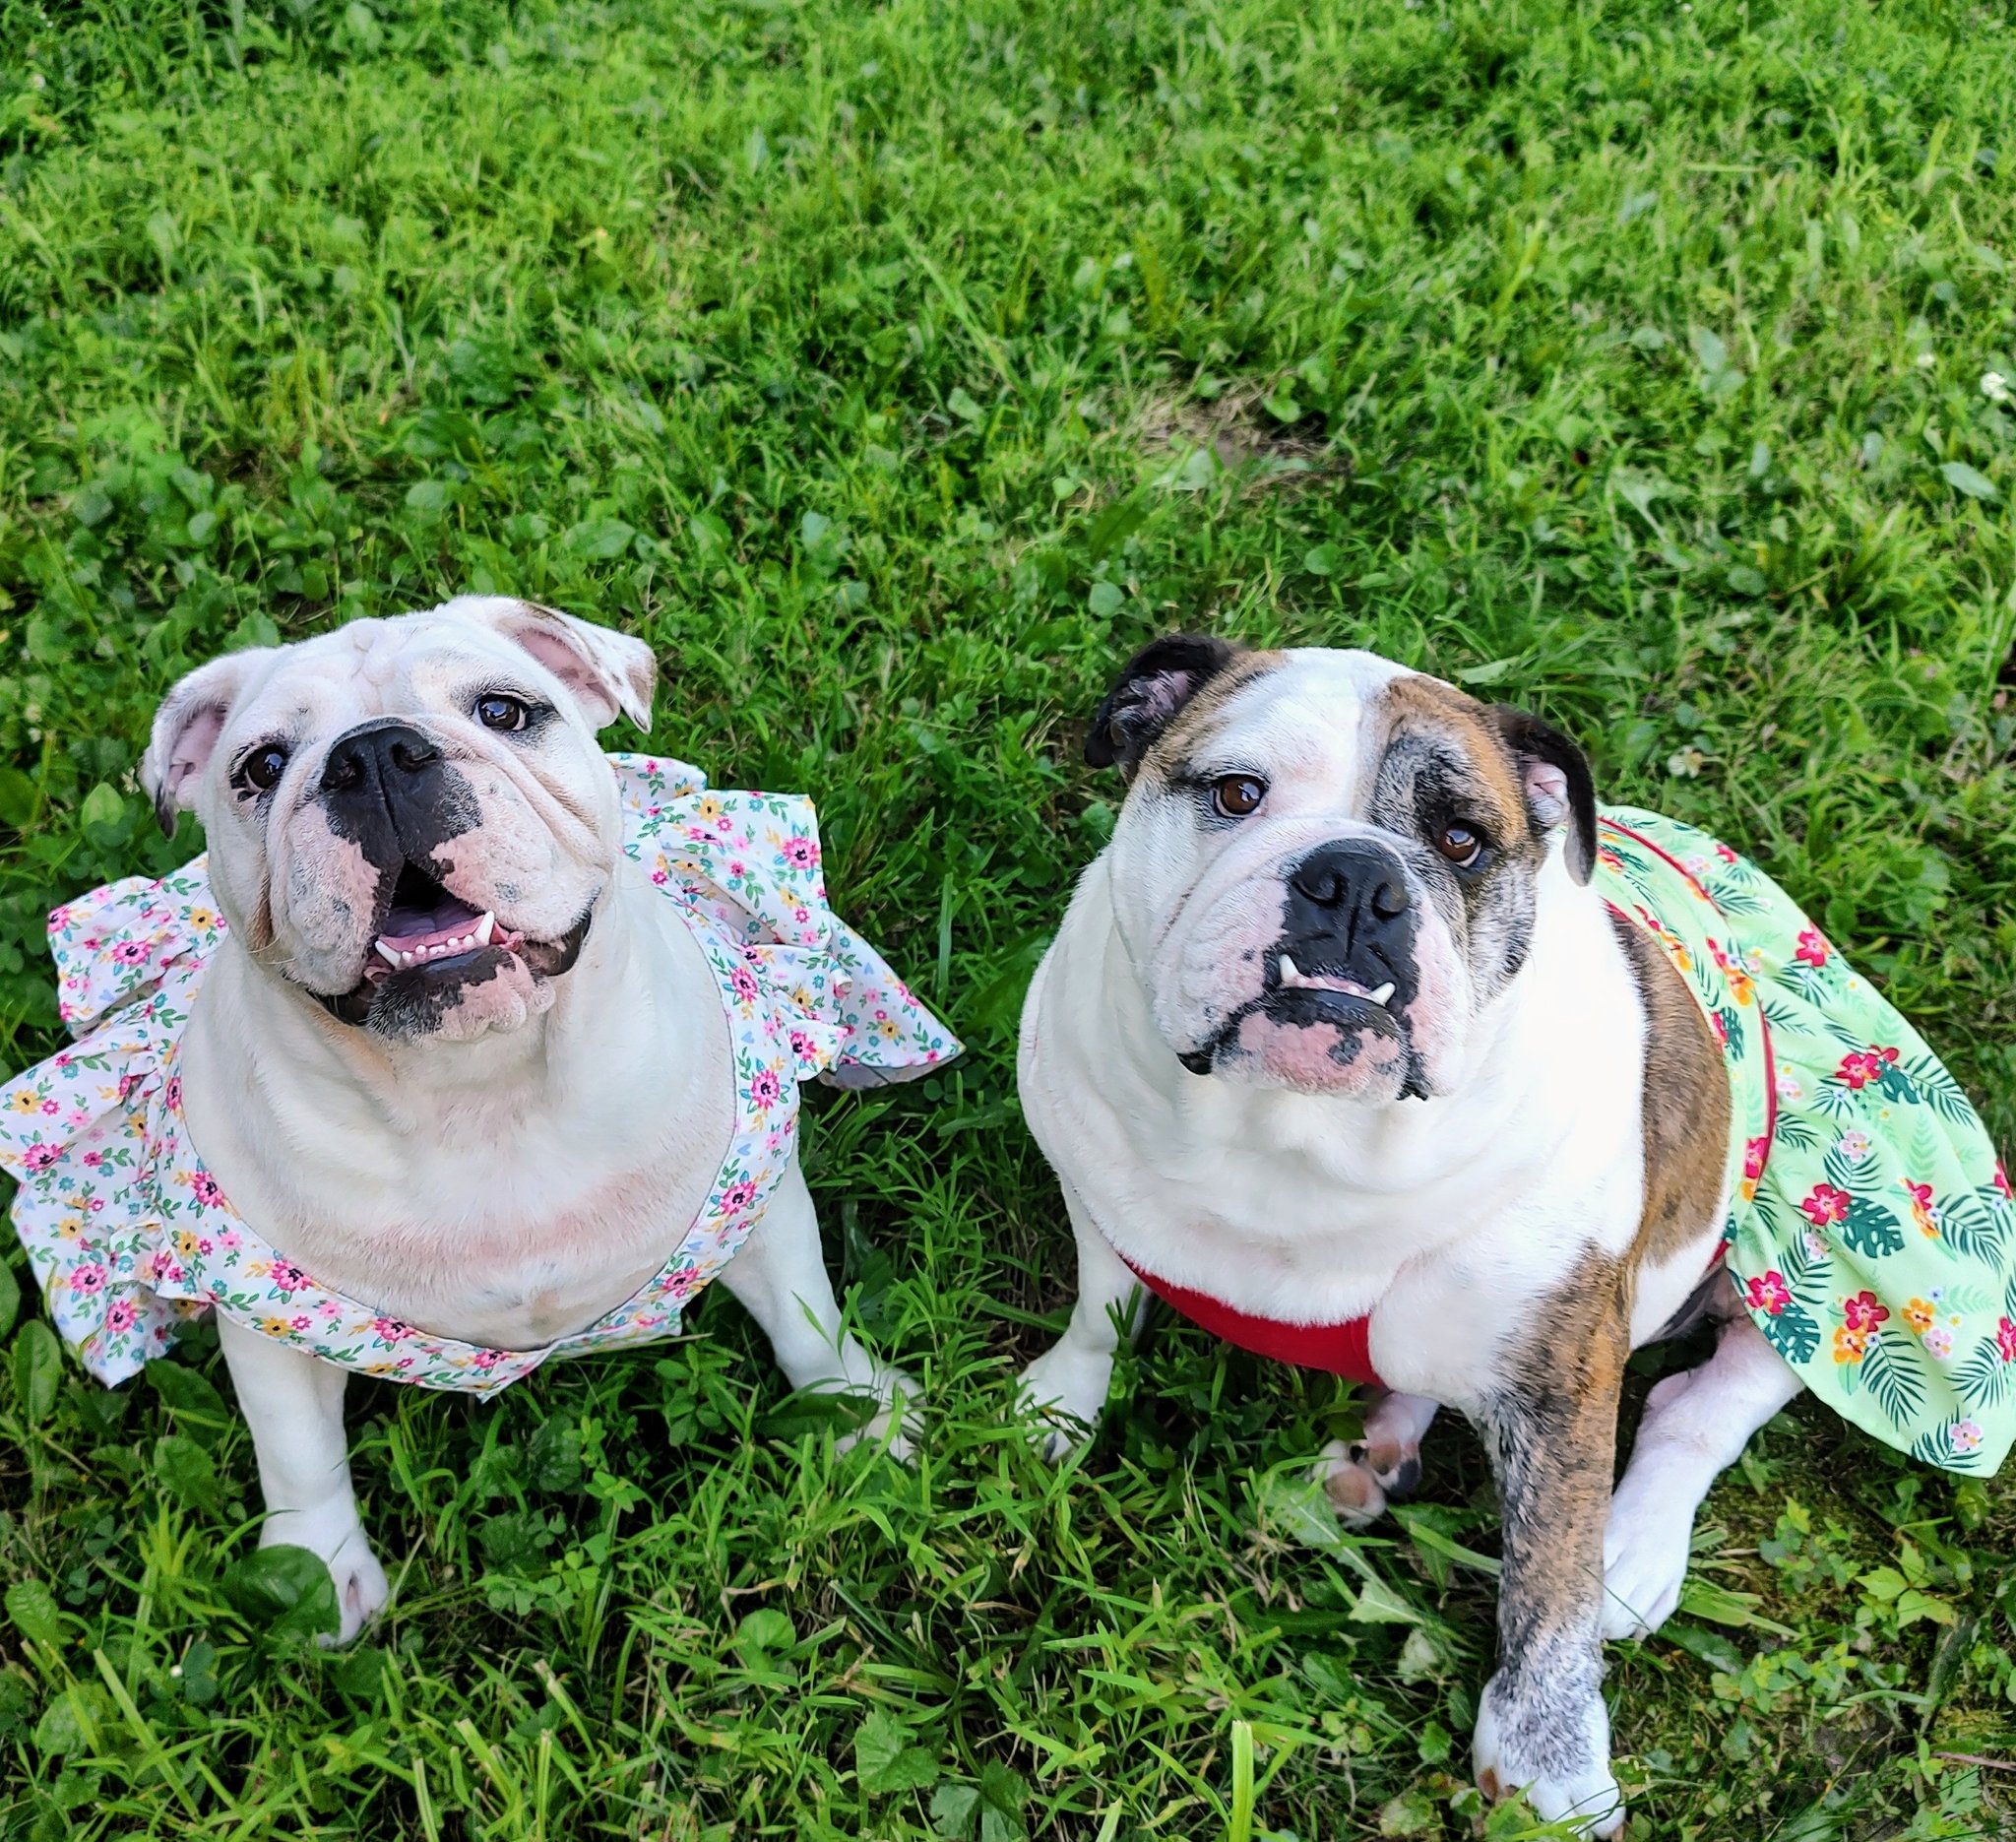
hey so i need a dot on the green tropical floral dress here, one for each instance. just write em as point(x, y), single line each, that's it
point(1870, 1231)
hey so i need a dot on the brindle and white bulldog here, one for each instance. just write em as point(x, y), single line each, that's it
point(1338, 1051)
point(455, 1056)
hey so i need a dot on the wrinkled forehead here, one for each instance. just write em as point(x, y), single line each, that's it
point(378, 667)
point(1367, 730)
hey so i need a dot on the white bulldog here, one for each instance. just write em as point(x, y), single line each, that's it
point(454, 1056)
point(1336, 1043)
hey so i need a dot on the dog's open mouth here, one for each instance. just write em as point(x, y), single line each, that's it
point(428, 943)
point(426, 926)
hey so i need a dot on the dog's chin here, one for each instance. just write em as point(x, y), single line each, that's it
point(456, 997)
point(1313, 1041)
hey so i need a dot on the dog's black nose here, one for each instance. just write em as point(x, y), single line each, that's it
point(1341, 873)
point(376, 758)
point(1348, 913)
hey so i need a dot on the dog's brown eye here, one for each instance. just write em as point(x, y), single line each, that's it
point(501, 713)
point(1460, 845)
point(262, 767)
point(1236, 796)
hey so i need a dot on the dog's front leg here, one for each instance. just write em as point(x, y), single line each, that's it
point(778, 1276)
point(1065, 1388)
point(1552, 1430)
point(292, 1403)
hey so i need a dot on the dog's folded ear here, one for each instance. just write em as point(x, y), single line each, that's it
point(1558, 787)
point(185, 731)
point(609, 674)
point(1153, 686)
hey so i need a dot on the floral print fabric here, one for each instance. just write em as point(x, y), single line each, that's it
point(1871, 1232)
point(130, 1235)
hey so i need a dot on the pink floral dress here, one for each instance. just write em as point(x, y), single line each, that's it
point(130, 1235)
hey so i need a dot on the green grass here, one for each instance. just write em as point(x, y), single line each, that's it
point(897, 370)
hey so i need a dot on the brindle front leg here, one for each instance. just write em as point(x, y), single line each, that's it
point(1552, 1430)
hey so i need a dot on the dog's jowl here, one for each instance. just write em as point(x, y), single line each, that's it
point(466, 1045)
point(1371, 1043)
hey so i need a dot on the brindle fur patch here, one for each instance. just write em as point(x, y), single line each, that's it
point(1552, 1430)
point(1445, 760)
point(1686, 1135)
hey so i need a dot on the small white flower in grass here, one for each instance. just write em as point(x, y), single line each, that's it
point(1926, 362)
point(1994, 387)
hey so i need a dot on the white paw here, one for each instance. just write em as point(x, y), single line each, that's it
point(1583, 1796)
point(337, 1538)
point(896, 1425)
point(1644, 1558)
point(1062, 1395)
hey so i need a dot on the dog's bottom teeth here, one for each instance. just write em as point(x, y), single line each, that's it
point(1383, 996)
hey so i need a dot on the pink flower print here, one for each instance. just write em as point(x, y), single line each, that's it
point(392, 1329)
point(87, 1278)
point(229, 1241)
point(205, 1188)
point(1964, 1436)
point(743, 983)
point(287, 1278)
point(1864, 1311)
point(2005, 1340)
point(1812, 947)
point(487, 1359)
point(173, 1095)
point(737, 869)
point(801, 853)
point(1826, 1205)
point(164, 1261)
point(329, 1309)
point(765, 1089)
point(737, 1197)
point(2000, 1180)
point(1862, 1066)
point(52, 1106)
point(119, 1315)
point(660, 877)
point(1853, 1146)
point(1770, 1294)
point(131, 953)
point(1939, 1342)
point(299, 1321)
point(802, 1045)
point(39, 1156)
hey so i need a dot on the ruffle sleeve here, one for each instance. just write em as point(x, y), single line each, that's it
point(80, 1133)
point(750, 864)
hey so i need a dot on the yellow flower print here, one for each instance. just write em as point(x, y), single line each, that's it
point(1741, 986)
point(709, 808)
point(1851, 1346)
point(70, 1227)
point(258, 1269)
point(888, 1029)
point(203, 919)
point(1919, 1315)
point(24, 1102)
point(185, 1243)
point(276, 1327)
